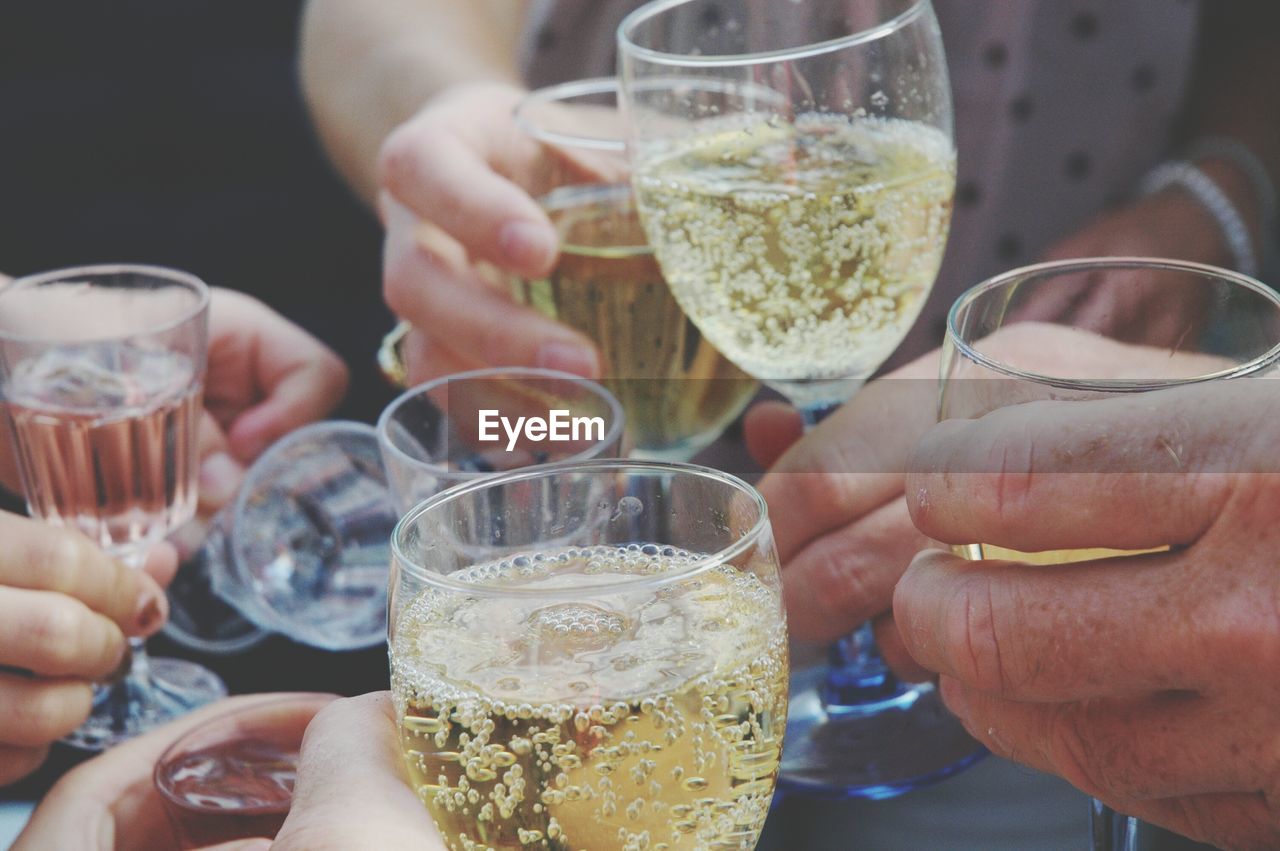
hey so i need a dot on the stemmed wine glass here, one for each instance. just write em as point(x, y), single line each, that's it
point(102, 369)
point(1038, 333)
point(794, 169)
point(678, 391)
point(591, 655)
point(303, 548)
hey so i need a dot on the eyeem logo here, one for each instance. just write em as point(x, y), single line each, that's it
point(558, 427)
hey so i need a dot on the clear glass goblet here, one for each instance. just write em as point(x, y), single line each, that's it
point(303, 548)
point(102, 369)
point(794, 170)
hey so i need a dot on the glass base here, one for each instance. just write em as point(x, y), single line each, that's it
point(138, 704)
point(900, 740)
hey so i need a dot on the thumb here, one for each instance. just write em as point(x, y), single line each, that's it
point(352, 792)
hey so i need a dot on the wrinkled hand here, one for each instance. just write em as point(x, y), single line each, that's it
point(456, 184)
point(836, 505)
point(1148, 680)
point(266, 378)
point(1119, 304)
point(65, 609)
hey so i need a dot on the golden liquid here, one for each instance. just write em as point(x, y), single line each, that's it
point(975, 552)
point(578, 726)
point(805, 250)
point(678, 392)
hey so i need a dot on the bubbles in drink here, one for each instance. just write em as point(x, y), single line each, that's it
point(802, 250)
point(625, 718)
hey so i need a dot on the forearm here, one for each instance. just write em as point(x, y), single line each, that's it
point(368, 65)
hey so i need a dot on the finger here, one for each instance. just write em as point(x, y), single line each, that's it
point(53, 635)
point(427, 359)
point(162, 563)
point(1059, 632)
point(843, 578)
point(111, 801)
point(853, 461)
point(220, 474)
point(351, 763)
point(770, 429)
point(452, 181)
point(1232, 820)
point(1014, 477)
point(43, 558)
point(39, 711)
point(18, 762)
point(893, 650)
point(476, 319)
point(1160, 746)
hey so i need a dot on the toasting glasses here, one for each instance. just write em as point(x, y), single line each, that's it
point(1060, 331)
point(102, 369)
point(794, 169)
point(303, 548)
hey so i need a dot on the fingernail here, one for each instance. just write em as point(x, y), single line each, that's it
point(568, 357)
point(150, 614)
point(220, 478)
point(527, 245)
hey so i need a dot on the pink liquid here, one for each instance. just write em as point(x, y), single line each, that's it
point(232, 790)
point(106, 440)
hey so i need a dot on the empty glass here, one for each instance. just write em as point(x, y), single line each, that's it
point(303, 548)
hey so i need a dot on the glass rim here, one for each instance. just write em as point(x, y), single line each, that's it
point(401, 561)
point(628, 46)
point(442, 470)
point(566, 198)
point(165, 273)
point(1056, 267)
point(564, 92)
point(176, 746)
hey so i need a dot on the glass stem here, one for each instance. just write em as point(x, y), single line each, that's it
point(139, 677)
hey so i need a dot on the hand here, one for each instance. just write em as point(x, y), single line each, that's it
point(353, 793)
point(456, 200)
point(836, 505)
point(266, 377)
point(1143, 680)
point(65, 609)
point(1169, 224)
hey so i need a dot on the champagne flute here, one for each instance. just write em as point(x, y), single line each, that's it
point(794, 169)
point(102, 369)
point(591, 655)
point(679, 392)
point(1037, 333)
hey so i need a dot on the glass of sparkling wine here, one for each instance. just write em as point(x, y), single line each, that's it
point(794, 170)
point(1040, 333)
point(591, 655)
point(679, 392)
point(102, 369)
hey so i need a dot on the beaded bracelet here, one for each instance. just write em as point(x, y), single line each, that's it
point(1206, 191)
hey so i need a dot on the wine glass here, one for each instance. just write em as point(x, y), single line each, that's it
point(1041, 333)
point(232, 777)
point(591, 655)
point(678, 391)
point(102, 369)
point(794, 170)
point(303, 548)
